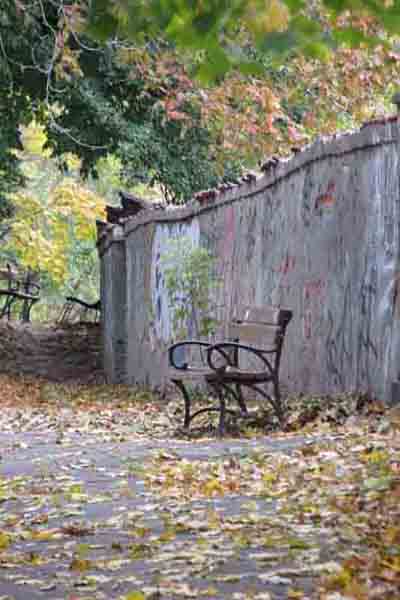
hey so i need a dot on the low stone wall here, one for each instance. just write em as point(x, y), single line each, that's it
point(63, 354)
point(318, 233)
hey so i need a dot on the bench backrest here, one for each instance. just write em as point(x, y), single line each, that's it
point(262, 327)
point(13, 280)
point(10, 277)
point(30, 282)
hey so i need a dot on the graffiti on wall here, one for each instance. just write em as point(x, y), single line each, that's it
point(162, 326)
point(319, 235)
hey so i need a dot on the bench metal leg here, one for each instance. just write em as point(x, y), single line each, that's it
point(6, 310)
point(25, 315)
point(222, 413)
point(240, 399)
point(278, 403)
point(274, 398)
point(221, 409)
point(180, 385)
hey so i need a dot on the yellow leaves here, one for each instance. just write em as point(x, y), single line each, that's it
point(53, 211)
point(392, 535)
point(214, 520)
point(135, 596)
point(34, 138)
point(213, 488)
point(80, 564)
point(76, 494)
point(26, 201)
point(72, 162)
point(295, 594)
point(297, 544)
point(273, 17)
point(377, 457)
point(393, 564)
point(167, 536)
point(346, 581)
point(72, 199)
point(5, 540)
point(139, 551)
point(45, 535)
point(68, 66)
point(34, 559)
point(339, 580)
point(269, 477)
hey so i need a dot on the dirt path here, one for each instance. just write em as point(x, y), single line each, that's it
point(61, 354)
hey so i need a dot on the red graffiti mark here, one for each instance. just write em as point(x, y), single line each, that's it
point(307, 320)
point(287, 265)
point(314, 287)
point(313, 295)
point(327, 199)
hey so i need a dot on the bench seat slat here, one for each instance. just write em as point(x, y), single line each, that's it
point(193, 373)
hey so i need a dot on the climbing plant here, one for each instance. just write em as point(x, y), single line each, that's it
point(191, 285)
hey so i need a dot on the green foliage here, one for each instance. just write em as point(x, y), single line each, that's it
point(191, 285)
point(210, 28)
point(53, 231)
point(139, 101)
point(97, 99)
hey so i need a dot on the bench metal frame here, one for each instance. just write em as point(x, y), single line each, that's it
point(19, 288)
point(255, 332)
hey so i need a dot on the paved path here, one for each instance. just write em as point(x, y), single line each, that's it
point(79, 520)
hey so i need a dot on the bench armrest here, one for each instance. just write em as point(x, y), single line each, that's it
point(222, 349)
point(172, 349)
point(33, 289)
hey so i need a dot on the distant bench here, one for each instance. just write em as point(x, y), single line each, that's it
point(20, 288)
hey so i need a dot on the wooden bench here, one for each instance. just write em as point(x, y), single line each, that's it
point(249, 358)
point(18, 287)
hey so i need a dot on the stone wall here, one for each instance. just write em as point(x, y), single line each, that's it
point(318, 233)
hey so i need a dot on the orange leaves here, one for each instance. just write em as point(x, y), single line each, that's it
point(241, 113)
point(17, 391)
point(5, 541)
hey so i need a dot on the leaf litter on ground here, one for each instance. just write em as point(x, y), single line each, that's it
point(100, 519)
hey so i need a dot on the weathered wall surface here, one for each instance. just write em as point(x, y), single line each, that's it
point(318, 233)
point(114, 306)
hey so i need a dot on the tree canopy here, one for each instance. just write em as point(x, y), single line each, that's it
point(186, 93)
point(98, 98)
point(211, 27)
point(171, 97)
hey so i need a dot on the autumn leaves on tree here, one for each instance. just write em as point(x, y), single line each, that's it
point(174, 98)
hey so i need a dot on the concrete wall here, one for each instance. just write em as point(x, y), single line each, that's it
point(318, 233)
point(113, 295)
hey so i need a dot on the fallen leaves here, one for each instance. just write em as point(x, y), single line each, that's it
point(101, 502)
point(5, 540)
